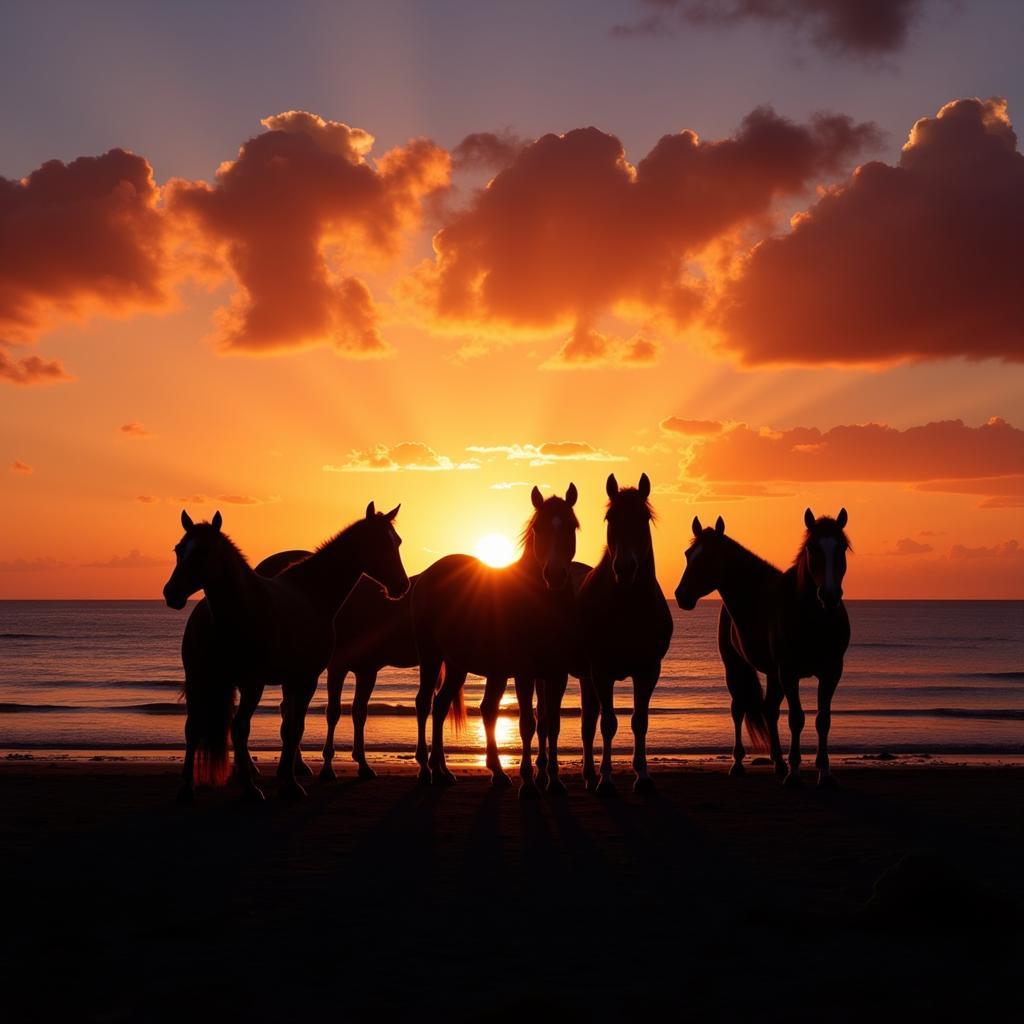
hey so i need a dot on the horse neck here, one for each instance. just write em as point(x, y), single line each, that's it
point(330, 573)
point(230, 593)
point(742, 575)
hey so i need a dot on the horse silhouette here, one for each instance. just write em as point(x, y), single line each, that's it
point(249, 630)
point(626, 627)
point(788, 625)
point(498, 623)
point(371, 631)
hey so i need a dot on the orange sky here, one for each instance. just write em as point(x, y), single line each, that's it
point(795, 311)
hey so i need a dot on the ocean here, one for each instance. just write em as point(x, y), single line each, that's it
point(936, 678)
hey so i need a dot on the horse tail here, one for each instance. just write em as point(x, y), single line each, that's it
point(753, 714)
point(458, 708)
point(211, 706)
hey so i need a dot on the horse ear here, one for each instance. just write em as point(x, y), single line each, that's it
point(186, 521)
point(571, 495)
point(217, 521)
point(371, 510)
point(536, 497)
point(842, 519)
point(390, 516)
point(719, 525)
point(611, 486)
point(696, 527)
point(808, 518)
point(644, 487)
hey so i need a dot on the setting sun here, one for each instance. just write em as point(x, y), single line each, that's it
point(495, 549)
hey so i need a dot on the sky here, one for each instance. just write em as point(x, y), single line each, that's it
point(282, 261)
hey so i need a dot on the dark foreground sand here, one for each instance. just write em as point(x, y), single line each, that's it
point(717, 899)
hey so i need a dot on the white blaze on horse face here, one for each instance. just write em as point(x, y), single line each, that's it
point(828, 548)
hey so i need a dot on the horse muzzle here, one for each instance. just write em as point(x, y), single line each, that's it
point(174, 599)
point(685, 601)
point(555, 579)
point(830, 599)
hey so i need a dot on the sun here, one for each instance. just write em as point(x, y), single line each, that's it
point(495, 549)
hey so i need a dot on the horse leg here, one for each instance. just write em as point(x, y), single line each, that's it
point(293, 723)
point(588, 727)
point(430, 670)
point(527, 727)
point(827, 683)
point(791, 687)
point(542, 733)
point(246, 771)
point(453, 682)
point(494, 689)
point(335, 685)
point(643, 687)
point(187, 790)
point(605, 687)
point(554, 691)
point(772, 703)
point(365, 682)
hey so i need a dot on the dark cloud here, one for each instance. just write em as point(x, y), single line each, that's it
point(30, 370)
point(134, 429)
point(1008, 550)
point(487, 150)
point(17, 466)
point(909, 546)
point(133, 560)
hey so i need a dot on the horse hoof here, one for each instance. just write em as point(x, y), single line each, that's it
point(290, 790)
point(365, 772)
point(827, 781)
point(644, 787)
point(792, 780)
point(499, 780)
point(590, 783)
point(252, 795)
point(442, 777)
point(328, 774)
point(606, 788)
point(529, 791)
point(556, 787)
point(737, 769)
point(303, 770)
point(186, 796)
point(423, 778)
point(781, 768)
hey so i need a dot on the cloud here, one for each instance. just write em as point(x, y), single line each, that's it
point(78, 238)
point(697, 428)
point(1010, 550)
point(909, 546)
point(858, 27)
point(146, 499)
point(570, 230)
point(914, 261)
point(133, 560)
point(30, 370)
point(17, 466)
point(412, 455)
point(134, 429)
point(31, 565)
point(945, 450)
point(1002, 491)
point(280, 213)
point(487, 150)
point(507, 485)
point(247, 499)
point(548, 453)
point(586, 348)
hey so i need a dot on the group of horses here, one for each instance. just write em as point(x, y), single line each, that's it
point(349, 606)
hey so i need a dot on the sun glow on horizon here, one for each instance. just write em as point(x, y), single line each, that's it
point(495, 549)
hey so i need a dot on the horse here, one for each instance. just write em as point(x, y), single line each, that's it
point(788, 625)
point(371, 631)
point(497, 623)
point(250, 630)
point(626, 627)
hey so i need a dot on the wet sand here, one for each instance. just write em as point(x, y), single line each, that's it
point(717, 899)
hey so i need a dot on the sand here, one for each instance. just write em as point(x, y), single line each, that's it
point(717, 899)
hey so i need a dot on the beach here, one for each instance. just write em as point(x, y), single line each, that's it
point(716, 899)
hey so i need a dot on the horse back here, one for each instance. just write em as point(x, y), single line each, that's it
point(372, 631)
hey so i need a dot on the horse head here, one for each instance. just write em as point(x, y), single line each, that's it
point(703, 564)
point(198, 559)
point(822, 559)
point(629, 518)
point(379, 551)
point(550, 536)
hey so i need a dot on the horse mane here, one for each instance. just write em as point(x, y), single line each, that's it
point(315, 559)
point(737, 548)
point(524, 534)
point(652, 516)
point(228, 543)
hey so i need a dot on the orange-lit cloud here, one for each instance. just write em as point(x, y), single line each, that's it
point(135, 429)
point(146, 499)
point(548, 453)
point(1009, 550)
point(17, 466)
point(909, 546)
point(586, 348)
point(412, 455)
point(42, 564)
point(30, 370)
point(915, 261)
point(1002, 491)
point(78, 238)
point(859, 27)
point(133, 560)
point(696, 428)
point(570, 229)
point(299, 199)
